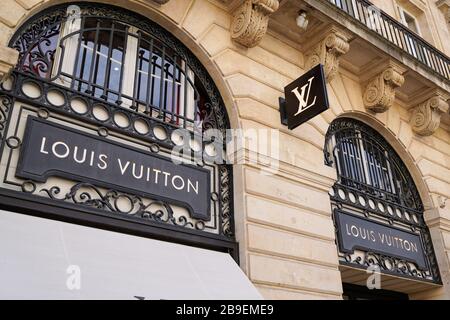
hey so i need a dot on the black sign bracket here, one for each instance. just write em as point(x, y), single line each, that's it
point(283, 113)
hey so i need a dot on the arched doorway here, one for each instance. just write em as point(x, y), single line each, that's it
point(377, 210)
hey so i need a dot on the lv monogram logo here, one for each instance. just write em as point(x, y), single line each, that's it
point(303, 96)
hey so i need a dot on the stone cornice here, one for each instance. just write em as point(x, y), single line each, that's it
point(426, 117)
point(250, 21)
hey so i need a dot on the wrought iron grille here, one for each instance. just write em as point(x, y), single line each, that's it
point(120, 63)
point(374, 183)
point(396, 33)
point(365, 162)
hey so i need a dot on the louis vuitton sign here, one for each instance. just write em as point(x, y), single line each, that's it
point(305, 98)
point(50, 149)
point(358, 233)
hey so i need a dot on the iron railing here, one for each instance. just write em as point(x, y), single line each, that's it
point(396, 33)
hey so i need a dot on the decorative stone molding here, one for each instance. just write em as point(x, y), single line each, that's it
point(442, 200)
point(380, 92)
point(327, 51)
point(426, 117)
point(444, 6)
point(8, 59)
point(250, 21)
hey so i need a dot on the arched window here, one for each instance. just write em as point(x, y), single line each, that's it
point(374, 185)
point(115, 74)
point(115, 58)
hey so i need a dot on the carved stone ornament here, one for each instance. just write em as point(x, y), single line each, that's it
point(380, 92)
point(250, 21)
point(426, 117)
point(327, 52)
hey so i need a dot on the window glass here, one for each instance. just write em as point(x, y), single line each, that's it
point(120, 64)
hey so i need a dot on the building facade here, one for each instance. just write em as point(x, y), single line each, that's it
point(120, 77)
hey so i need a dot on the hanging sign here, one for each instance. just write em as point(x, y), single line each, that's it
point(305, 98)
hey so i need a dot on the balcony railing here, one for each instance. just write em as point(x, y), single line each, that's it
point(396, 33)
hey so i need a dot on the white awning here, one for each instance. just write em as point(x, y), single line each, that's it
point(46, 259)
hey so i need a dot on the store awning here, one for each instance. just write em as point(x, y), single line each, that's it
point(46, 259)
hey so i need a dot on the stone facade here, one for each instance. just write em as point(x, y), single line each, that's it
point(283, 221)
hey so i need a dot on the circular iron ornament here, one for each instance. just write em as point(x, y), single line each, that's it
point(200, 163)
point(146, 215)
point(53, 101)
point(31, 84)
point(28, 186)
point(332, 193)
point(155, 148)
point(119, 117)
point(145, 126)
point(101, 112)
point(8, 83)
point(200, 225)
point(103, 132)
point(77, 102)
point(13, 142)
point(43, 113)
point(160, 133)
point(119, 206)
point(214, 196)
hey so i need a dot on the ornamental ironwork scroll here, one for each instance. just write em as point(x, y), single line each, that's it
point(386, 227)
point(112, 73)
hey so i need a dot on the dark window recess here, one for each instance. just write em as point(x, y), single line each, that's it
point(355, 292)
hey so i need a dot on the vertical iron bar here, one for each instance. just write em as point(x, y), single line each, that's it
point(122, 67)
point(134, 103)
point(148, 107)
point(108, 64)
point(161, 88)
point(186, 83)
point(94, 59)
point(77, 57)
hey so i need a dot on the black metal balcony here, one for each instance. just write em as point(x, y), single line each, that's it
point(396, 33)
